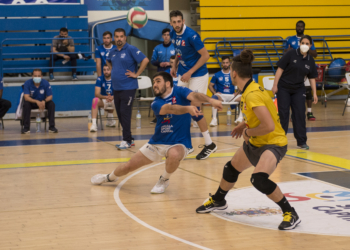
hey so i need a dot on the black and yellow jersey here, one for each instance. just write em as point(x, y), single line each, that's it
point(253, 95)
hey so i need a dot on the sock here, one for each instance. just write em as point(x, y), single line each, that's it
point(94, 121)
point(284, 205)
point(219, 195)
point(309, 110)
point(80, 56)
point(166, 175)
point(112, 177)
point(207, 138)
point(109, 114)
point(214, 112)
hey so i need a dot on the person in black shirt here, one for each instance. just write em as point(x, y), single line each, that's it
point(292, 70)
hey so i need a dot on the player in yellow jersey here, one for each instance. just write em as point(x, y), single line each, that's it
point(264, 146)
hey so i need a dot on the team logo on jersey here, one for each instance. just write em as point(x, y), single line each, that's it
point(102, 53)
point(173, 41)
point(261, 88)
point(122, 55)
point(138, 52)
point(307, 66)
point(172, 52)
point(295, 61)
point(183, 43)
point(174, 100)
point(42, 91)
point(103, 85)
point(294, 42)
point(221, 78)
point(178, 42)
point(194, 37)
point(107, 54)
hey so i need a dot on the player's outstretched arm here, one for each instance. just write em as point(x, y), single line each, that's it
point(179, 110)
point(196, 97)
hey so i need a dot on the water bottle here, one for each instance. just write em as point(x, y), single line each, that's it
point(229, 116)
point(38, 123)
point(89, 121)
point(138, 119)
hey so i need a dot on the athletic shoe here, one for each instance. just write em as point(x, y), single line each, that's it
point(161, 185)
point(123, 145)
point(213, 123)
point(93, 128)
point(111, 123)
point(132, 143)
point(74, 77)
point(304, 146)
point(239, 120)
point(195, 125)
point(190, 150)
point(206, 151)
point(52, 78)
point(153, 121)
point(101, 178)
point(210, 205)
point(290, 220)
point(53, 130)
point(25, 131)
point(310, 116)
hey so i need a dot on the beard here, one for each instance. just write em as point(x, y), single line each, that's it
point(182, 27)
point(300, 32)
point(161, 92)
point(107, 75)
point(119, 43)
point(226, 68)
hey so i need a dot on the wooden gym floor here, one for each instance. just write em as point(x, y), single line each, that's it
point(48, 202)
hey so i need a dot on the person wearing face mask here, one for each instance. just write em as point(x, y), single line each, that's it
point(38, 95)
point(293, 68)
point(293, 43)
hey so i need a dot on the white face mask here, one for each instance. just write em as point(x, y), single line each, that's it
point(304, 48)
point(37, 80)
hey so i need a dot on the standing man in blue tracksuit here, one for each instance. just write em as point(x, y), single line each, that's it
point(162, 52)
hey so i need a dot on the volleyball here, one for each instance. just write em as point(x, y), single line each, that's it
point(137, 17)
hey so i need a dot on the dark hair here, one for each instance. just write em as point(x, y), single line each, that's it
point(301, 21)
point(166, 76)
point(225, 57)
point(105, 65)
point(176, 13)
point(242, 64)
point(107, 33)
point(63, 29)
point(306, 37)
point(38, 70)
point(165, 31)
point(120, 30)
point(173, 57)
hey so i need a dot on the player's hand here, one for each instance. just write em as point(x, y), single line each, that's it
point(238, 130)
point(66, 57)
point(186, 77)
point(315, 99)
point(110, 98)
point(41, 105)
point(130, 74)
point(245, 137)
point(216, 104)
point(173, 72)
point(161, 64)
point(274, 89)
point(193, 111)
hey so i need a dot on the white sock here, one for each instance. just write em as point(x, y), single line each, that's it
point(94, 121)
point(166, 175)
point(214, 112)
point(309, 110)
point(80, 56)
point(207, 138)
point(112, 177)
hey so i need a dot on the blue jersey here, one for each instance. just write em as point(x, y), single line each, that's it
point(127, 58)
point(293, 41)
point(187, 46)
point(106, 86)
point(175, 80)
point(172, 129)
point(44, 90)
point(162, 53)
point(222, 83)
point(102, 53)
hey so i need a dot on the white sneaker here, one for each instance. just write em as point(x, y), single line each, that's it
point(195, 125)
point(111, 123)
point(93, 128)
point(214, 122)
point(100, 178)
point(161, 185)
point(239, 120)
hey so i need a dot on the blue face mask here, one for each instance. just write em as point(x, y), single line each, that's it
point(37, 80)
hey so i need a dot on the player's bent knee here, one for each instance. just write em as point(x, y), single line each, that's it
point(230, 174)
point(262, 183)
point(94, 102)
point(175, 155)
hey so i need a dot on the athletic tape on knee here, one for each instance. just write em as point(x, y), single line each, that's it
point(262, 183)
point(197, 119)
point(230, 174)
point(94, 102)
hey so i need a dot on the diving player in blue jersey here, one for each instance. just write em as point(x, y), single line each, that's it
point(172, 136)
point(223, 90)
point(192, 69)
point(102, 52)
point(293, 42)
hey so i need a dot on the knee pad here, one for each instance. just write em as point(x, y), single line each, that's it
point(262, 183)
point(230, 173)
point(308, 94)
point(197, 119)
point(215, 97)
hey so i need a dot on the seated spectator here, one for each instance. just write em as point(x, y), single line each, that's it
point(162, 52)
point(64, 45)
point(103, 98)
point(102, 52)
point(5, 105)
point(223, 90)
point(38, 95)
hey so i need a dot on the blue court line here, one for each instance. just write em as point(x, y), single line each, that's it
point(10, 143)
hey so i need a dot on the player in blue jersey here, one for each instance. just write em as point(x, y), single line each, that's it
point(102, 52)
point(293, 42)
point(172, 136)
point(192, 69)
point(103, 99)
point(223, 90)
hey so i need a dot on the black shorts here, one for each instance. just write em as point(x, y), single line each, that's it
point(308, 93)
point(254, 153)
